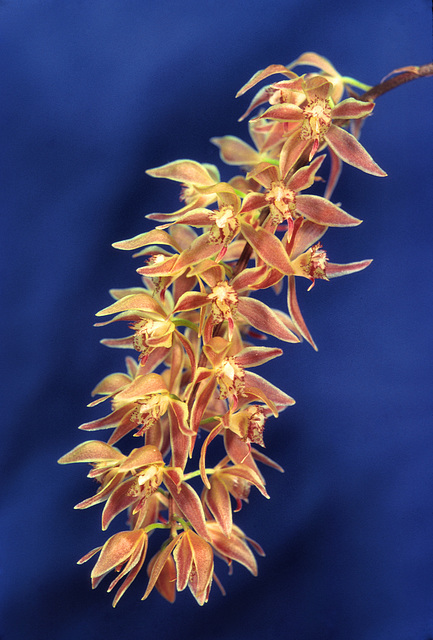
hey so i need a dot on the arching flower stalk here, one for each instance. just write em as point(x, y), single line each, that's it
point(193, 321)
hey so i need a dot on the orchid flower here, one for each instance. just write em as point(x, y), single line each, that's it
point(304, 115)
point(193, 321)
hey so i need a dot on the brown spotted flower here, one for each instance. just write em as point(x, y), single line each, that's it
point(230, 301)
point(234, 547)
point(193, 176)
point(224, 301)
point(249, 424)
point(193, 559)
point(312, 264)
point(125, 481)
point(285, 201)
point(230, 480)
point(149, 319)
point(224, 222)
point(192, 323)
point(309, 260)
point(125, 553)
point(303, 113)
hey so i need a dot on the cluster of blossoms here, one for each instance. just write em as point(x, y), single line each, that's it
point(193, 324)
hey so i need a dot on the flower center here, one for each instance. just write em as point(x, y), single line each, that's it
point(150, 479)
point(317, 119)
point(224, 301)
point(152, 333)
point(156, 259)
point(187, 194)
point(149, 411)
point(226, 225)
point(256, 425)
point(231, 378)
point(282, 202)
point(318, 260)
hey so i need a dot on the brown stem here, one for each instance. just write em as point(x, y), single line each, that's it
point(407, 74)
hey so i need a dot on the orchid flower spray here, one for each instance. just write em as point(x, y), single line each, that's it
point(191, 385)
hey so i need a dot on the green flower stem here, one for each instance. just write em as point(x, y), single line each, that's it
point(273, 161)
point(185, 323)
point(184, 523)
point(356, 83)
point(169, 525)
point(157, 525)
point(210, 420)
point(194, 474)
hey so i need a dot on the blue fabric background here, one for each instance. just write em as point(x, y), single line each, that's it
point(95, 92)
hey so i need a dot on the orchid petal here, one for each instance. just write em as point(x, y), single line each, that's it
point(188, 502)
point(107, 422)
point(119, 343)
point(180, 443)
point(304, 177)
point(321, 211)
point(184, 171)
point(166, 581)
point(295, 313)
point(233, 548)
point(159, 563)
point(139, 301)
point(179, 417)
point(121, 498)
point(246, 473)
point(117, 550)
point(336, 270)
point(133, 568)
point(102, 494)
point(147, 455)
point(191, 300)
point(263, 74)
point(268, 247)
point(253, 201)
point(261, 317)
point(218, 501)
point(199, 250)
point(235, 151)
point(183, 558)
point(273, 393)
point(255, 356)
point(334, 174)
point(292, 150)
point(202, 464)
point(236, 448)
point(141, 387)
point(92, 451)
point(314, 60)
point(283, 112)
point(351, 151)
point(156, 236)
point(194, 564)
point(165, 268)
point(111, 383)
point(352, 108)
point(308, 234)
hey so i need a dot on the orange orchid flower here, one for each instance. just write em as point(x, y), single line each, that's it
point(193, 321)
